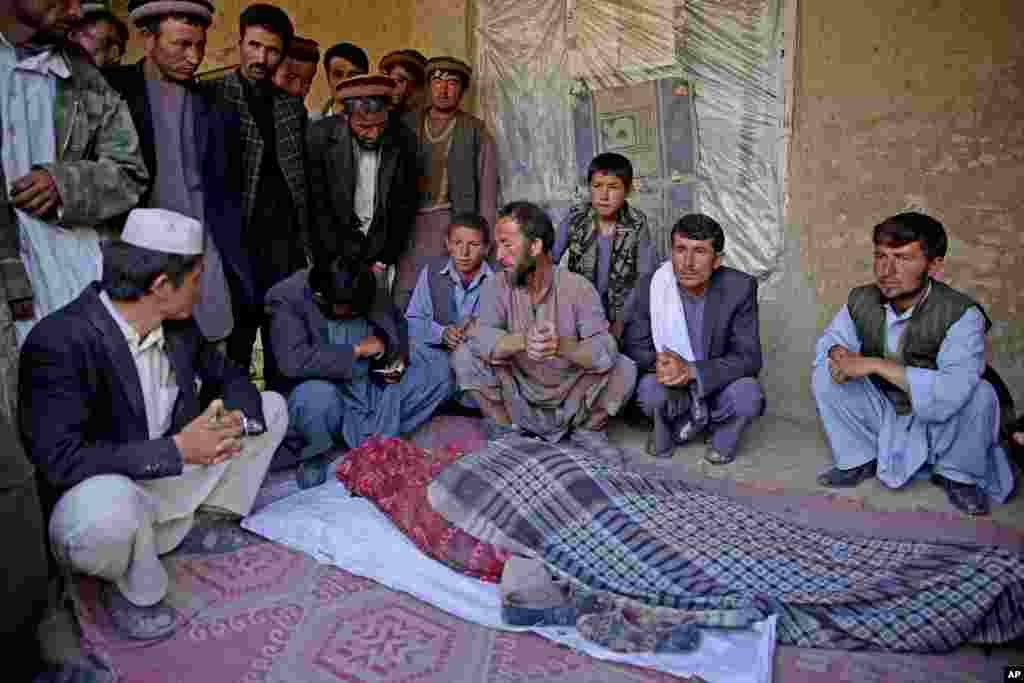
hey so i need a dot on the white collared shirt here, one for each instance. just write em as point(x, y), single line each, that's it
point(367, 165)
point(159, 387)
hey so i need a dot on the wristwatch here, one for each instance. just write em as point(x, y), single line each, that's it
point(251, 427)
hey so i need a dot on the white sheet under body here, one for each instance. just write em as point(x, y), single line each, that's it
point(335, 528)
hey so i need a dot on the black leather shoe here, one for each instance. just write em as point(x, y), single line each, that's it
point(652, 450)
point(966, 498)
point(837, 478)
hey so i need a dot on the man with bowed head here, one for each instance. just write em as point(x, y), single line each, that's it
point(344, 349)
point(362, 171)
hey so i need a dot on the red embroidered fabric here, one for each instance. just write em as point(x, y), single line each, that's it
point(394, 474)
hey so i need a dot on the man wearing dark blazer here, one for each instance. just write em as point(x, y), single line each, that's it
point(275, 193)
point(362, 170)
point(185, 135)
point(111, 414)
point(692, 329)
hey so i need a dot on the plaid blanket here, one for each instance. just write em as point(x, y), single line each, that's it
point(673, 545)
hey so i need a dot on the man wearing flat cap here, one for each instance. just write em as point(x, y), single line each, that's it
point(111, 413)
point(185, 135)
point(407, 69)
point(344, 349)
point(458, 170)
point(362, 170)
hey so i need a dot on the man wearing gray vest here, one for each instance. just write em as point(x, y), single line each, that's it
point(898, 377)
point(457, 166)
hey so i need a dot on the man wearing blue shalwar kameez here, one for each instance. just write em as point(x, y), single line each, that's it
point(345, 350)
point(897, 377)
point(445, 304)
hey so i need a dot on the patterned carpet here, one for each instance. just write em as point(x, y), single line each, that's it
point(267, 613)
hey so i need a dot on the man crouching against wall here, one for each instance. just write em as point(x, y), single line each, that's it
point(898, 377)
point(112, 419)
point(542, 359)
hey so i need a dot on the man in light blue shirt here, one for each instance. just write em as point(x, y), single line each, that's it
point(898, 377)
point(444, 307)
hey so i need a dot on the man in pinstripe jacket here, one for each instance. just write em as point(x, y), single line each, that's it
point(275, 212)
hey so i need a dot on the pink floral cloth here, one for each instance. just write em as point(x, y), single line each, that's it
point(394, 475)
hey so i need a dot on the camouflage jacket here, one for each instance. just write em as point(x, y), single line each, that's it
point(99, 169)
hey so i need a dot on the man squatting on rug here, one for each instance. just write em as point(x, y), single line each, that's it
point(116, 427)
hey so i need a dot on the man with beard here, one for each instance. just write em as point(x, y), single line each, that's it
point(406, 69)
point(100, 34)
point(362, 170)
point(457, 166)
point(344, 348)
point(275, 213)
point(184, 133)
point(898, 377)
point(297, 71)
point(70, 160)
point(541, 359)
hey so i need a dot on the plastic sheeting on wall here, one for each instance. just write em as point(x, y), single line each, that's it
point(690, 91)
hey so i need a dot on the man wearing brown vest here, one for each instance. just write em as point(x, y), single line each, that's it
point(898, 377)
point(458, 171)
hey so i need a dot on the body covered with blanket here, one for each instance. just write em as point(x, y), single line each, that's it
point(671, 544)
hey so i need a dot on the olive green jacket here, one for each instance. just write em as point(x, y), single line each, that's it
point(99, 170)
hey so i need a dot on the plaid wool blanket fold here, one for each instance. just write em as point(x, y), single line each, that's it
point(673, 545)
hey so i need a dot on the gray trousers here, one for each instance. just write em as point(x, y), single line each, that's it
point(116, 528)
point(862, 426)
point(731, 410)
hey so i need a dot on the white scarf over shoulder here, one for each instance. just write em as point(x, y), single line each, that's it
point(668, 318)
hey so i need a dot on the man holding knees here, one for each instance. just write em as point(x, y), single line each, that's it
point(110, 409)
